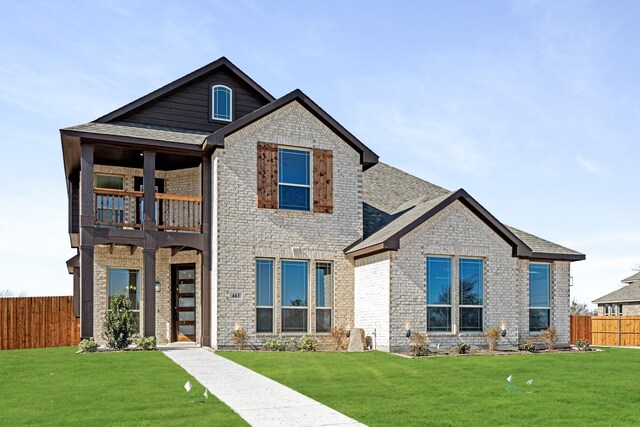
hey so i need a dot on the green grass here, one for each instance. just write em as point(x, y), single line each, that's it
point(57, 387)
point(597, 388)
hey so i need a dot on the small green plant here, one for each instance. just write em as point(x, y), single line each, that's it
point(583, 345)
point(145, 343)
point(88, 346)
point(493, 338)
point(462, 348)
point(419, 345)
point(550, 337)
point(528, 345)
point(277, 344)
point(338, 338)
point(307, 343)
point(119, 323)
point(239, 338)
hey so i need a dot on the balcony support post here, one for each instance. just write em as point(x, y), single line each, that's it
point(206, 253)
point(150, 247)
point(87, 226)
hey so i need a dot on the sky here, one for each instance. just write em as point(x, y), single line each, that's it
point(533, 107)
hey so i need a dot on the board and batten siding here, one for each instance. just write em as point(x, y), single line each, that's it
point(189, 107)
point(372, 298)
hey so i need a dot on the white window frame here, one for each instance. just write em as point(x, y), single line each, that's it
point(273, 294)
point(307, 307)
point(213, 103)
point(333, 287)
point(451, 295)
point(310, 175)
point(550, 294)
point(459, 302)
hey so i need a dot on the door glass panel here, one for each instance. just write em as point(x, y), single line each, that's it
point(187, 288)
point(186, 274)
point(187, 302)
point(187, 329)
point(186, 316)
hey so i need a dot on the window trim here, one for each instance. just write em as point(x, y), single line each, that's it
point(139, 291)
point(550, 295)
point(481, 306)
point(212, 108)
point(307, 307)
point(310, 175)
point(451, 299)
point(333, 287)
point(273, 295)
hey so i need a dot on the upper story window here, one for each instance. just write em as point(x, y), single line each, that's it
point(539, 296)
point(294, 179)
point(221, 100)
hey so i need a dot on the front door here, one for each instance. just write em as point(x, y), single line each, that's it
point(184, 302)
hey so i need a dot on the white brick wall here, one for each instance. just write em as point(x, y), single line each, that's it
point(244, 232)
point(372, 298)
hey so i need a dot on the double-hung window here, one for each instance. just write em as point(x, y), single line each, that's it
point(294, 290)
point(324, 296)
point(294, 179)
point(539, 296)
point(470, 280)
point(127, 283)
point(438, 294)
point(264, 295)
point(221, 100)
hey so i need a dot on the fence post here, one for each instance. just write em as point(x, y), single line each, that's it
point(619, 329)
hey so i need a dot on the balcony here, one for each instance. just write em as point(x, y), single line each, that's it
point(124, 209)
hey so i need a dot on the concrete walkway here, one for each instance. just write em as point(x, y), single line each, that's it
point(257, 399)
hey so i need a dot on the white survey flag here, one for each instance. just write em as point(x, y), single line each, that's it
point(206, 393)
point(529, 382)
point(187, 386)
point(509, 378)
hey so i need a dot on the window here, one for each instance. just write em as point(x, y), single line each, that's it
point(438, 294)
point(294, 179)
point(295, 285)
point(324, 296)
point(127, 283)
point(619, 309)
point(110, 208)
point(264, 295)
point(539, 296)
point(221, 96)
point(470, 279)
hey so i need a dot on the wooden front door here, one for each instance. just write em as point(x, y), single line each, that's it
point(184, 302)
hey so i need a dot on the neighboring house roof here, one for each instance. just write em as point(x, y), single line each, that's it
point(367, 157)
point(633, 278)
point(177, 84)
point(629, 293)
point(141, 132)
point(395, 203)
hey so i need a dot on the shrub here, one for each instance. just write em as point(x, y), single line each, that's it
point(583, 345)
point(88, 346)
point(493, 337)
point(550, 337)
point(239, 338)
point(307, 343)
point(338, 338)
point(528, 345)
point(277, 344)
point(419, 345)
point(462, 348)
point(119, 323)
point(145, 343)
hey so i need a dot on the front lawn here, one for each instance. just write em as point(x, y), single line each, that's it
point(596, 388)
point(57, 387)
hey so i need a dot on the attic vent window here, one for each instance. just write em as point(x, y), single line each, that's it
point(221, 99)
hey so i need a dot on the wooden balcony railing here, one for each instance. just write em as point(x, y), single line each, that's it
point(124, 208)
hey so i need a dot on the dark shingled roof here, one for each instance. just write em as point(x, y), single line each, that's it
point(538, 244)
point(629, 293)
point(141, 131)
point(632, 278)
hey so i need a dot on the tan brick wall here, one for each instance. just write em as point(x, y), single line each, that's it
point(244, 232)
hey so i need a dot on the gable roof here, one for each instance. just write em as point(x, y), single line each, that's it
point(395, 203)
point(182, 81)
point(629, 293)
point(138, 132)
point(633, 278)
point(367, 157)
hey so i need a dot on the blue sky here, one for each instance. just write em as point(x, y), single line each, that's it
point(532, 107)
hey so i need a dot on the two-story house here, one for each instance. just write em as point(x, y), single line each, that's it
point(268, 215)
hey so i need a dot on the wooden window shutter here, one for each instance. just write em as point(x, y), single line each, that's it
point(322, 181)
point(267, 175)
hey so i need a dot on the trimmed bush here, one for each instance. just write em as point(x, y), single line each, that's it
point(277, 344)
point(239, 338)
point(550, 337)
point(88, 346)
point(307, 343)
point(583, 345)
point(145, 343)
point(528, 345)
point(119, 323)
point(419, 345)
point(462, 348)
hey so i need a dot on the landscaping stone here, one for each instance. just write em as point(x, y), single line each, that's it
point(356, 340)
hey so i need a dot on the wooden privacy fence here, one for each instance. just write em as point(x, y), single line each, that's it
point(36, 322)
point(606, 330)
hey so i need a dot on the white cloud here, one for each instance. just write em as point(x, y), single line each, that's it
point(589, 166)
